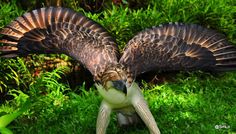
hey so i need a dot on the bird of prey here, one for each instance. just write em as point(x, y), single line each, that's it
point(168, 47)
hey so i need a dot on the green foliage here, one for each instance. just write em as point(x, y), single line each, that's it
point(22, 102)
point(194, 103)
point(199, 102)
point(8, 12)
point(124, 23)
point(8, 118)
point(45, 90)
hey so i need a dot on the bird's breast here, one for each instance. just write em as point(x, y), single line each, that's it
point(113, 97)
point(118, 99)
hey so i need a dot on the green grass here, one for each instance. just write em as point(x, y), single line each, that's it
point(194, 103)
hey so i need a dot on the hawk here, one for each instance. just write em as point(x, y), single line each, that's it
point(169, 47)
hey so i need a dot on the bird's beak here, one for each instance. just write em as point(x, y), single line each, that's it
point(120, 85)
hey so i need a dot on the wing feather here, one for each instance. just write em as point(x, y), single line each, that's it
point(177, 47)
point(60, 30)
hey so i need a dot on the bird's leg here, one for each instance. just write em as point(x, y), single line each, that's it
point(145, 114)
point(103, 118)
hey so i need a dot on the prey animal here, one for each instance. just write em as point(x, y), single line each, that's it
point(169, 47)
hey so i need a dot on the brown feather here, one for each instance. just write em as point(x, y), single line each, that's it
point(174, 47)
point(60, 30)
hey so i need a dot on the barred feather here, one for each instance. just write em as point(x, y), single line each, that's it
point(60, 30)
point(179, 47)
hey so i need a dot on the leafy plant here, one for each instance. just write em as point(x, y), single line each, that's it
point(20, 99)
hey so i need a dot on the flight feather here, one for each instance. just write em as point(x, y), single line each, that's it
point(60, 30)
point(174, 47)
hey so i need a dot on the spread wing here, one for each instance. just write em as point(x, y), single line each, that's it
point(174, 47)
point(60, 30)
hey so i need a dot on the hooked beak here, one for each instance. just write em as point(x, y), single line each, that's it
point(120, 85)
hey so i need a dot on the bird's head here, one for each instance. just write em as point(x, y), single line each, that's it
point(115, 77)
point(114, 84)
